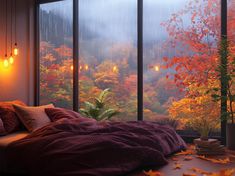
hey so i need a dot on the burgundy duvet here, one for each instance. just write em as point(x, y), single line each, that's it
point(88, 148)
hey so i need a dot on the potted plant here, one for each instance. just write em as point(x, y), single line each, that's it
point(98, 109)
point(226, 70)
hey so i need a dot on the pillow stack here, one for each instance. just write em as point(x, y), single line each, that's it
point(14, 115)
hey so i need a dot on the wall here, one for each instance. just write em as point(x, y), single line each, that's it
point(16, 82)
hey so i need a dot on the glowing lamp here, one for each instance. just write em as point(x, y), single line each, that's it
point(80, 67)
point(11, 59)
point(156, 68)
point(86, 67)
point(6, 63)
point(71, 67)
point(115, 68)
point(16, 51)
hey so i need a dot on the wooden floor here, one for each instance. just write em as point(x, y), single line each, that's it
point(186, 166)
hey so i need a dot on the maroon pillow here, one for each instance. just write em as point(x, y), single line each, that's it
point(9, 117)
point(2, 129)
point(59, 113)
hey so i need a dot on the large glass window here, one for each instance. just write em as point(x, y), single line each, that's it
point(56, 56)
point(180, 57)
point(108, 54)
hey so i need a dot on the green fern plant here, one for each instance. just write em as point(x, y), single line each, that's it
point(98, 109)
point(227, 77)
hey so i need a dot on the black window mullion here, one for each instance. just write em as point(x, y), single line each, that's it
point(140, 58)
point(37, 62)
point(223, 81)
point(75, 56)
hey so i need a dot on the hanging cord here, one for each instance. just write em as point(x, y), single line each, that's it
point(15, 22)
point(11, 27)
point(6, 32)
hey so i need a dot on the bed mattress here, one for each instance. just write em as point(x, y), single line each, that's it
point(5, 141)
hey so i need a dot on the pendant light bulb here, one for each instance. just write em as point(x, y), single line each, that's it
point(16, 51)
point(6, 62)
point(11, 59)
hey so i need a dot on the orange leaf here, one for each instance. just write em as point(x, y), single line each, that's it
point(187, 152)
point(200, 171)
point(177, 166)
point(187, 174)
point(188, 158)
point(224, 172)
point(152, 173)
point(175, 159)
point(217, 161)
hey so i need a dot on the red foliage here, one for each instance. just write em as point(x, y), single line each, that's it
point(195, 44)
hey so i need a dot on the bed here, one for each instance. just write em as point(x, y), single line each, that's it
point(69, 147)
point(64, 143)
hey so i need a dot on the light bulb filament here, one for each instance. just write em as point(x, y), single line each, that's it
point(6, 63)
point(11, 59)
point(16, 51)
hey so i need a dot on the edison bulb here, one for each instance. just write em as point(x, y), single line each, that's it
point(16, 51)
point(156, 68)
point(115, 69)
point(6, 63)
point(86, 67)
point(11, 59)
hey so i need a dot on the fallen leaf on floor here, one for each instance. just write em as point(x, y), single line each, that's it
point(175, 159)
point(177, 166)
point(224, 172)
point(187, 152)
point(200, 171)
point(188, 158)
point(217, 161)
point(188, 174)
point(152, 173)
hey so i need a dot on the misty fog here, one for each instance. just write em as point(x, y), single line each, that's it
point(117, 19)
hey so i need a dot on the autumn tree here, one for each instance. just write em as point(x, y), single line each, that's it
point(196, 43)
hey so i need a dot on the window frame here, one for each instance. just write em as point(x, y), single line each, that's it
point(223, 11)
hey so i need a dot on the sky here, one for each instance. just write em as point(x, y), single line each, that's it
point(116, 19)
